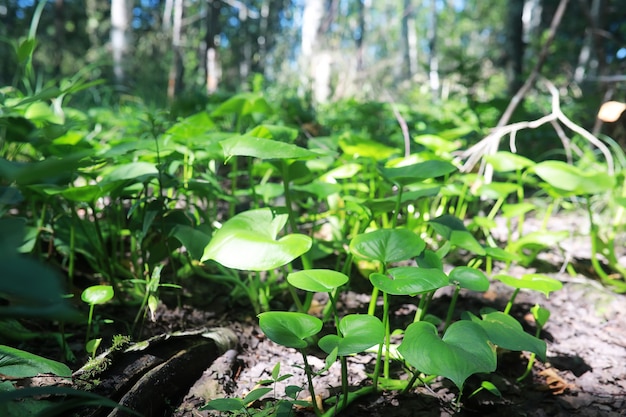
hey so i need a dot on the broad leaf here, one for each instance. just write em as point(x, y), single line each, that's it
point(289, 329)
point(248, 242)
point(418, 172)
point(387, 245)
point(262, 148)
point(317, 280)
point(469, 278)
point(572, 180)
point(506, 332)
point(506, 161)
point(453, 229)
point(409, 280)
point(537, 282)
point(17, 363)
point(97, 294)
point(464, 350)
point(358, 333)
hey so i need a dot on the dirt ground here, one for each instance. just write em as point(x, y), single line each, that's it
point(585, 374)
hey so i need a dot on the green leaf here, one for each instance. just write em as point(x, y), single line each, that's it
point(567, 179)
point(453, 229)
point(464, 350)
point(139, 171)
point(418, 172)
point(262, 148)
point(25, 49)
point(365, 148)
point(17, 363)
point(506, 161)
point(97, 294)
point(358, 333)
point(387, 245)
point(248, 242)
point(243, 104)
point(541, 315)
point(538, 239)
point(497, 190)
point(506, 332)
point(513, 210)
point(500, 254)
point(41, 171)
point(382, 205)
point(429, 259)
point(34, 290)
point(317, 280)
point(537, 282)
point(256, 394)
point(276, 132)
point(469, 278)
point(193, 239)
point(224, 404)
point(289, 329)
point(408, 280)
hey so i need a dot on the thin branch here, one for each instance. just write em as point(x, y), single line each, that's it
point(489, 145)
point(403, 125)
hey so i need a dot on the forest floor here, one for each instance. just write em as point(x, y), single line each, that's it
point(585, 374)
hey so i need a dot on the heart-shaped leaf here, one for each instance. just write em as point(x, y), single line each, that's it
point(453, 229)
point(387, 245)
point(464, 350)
point(469, 278)
point(288, 328)
point(317, 280)
point(409, 280)
point(248, 242)
point(358, 333)
point(506, 332)
point(537, 282)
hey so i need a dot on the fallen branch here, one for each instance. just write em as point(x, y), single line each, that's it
point(490, 144)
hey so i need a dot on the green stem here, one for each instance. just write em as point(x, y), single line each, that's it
point(396, 212)
point(509, 305)
point(387, 326)
point(451, 307)
point(308, 371)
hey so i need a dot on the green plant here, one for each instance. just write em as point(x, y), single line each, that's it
point(96, 294)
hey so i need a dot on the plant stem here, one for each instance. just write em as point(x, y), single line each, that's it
point(387, 335)
point(509, 305)
point(455, 296)
point(308, 372)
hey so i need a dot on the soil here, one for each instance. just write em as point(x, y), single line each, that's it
point(585, 374)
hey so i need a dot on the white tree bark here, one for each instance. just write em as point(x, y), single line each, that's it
point(120, 37)
point(316, 62)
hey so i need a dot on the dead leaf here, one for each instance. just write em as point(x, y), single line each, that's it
point(611, 111)
point(554, 382)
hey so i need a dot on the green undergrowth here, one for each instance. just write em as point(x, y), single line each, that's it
point(246, 197)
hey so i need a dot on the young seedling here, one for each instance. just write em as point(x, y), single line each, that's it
point(96, 294)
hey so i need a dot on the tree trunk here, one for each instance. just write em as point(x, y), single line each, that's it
point(316, 61)
point(433, 59)
point(407, 68)
point(514, 45)
point(360, 35)
point(59, 35)
point(591, 55)
point(175, 80)
point(213, 29)
point(120, 34)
